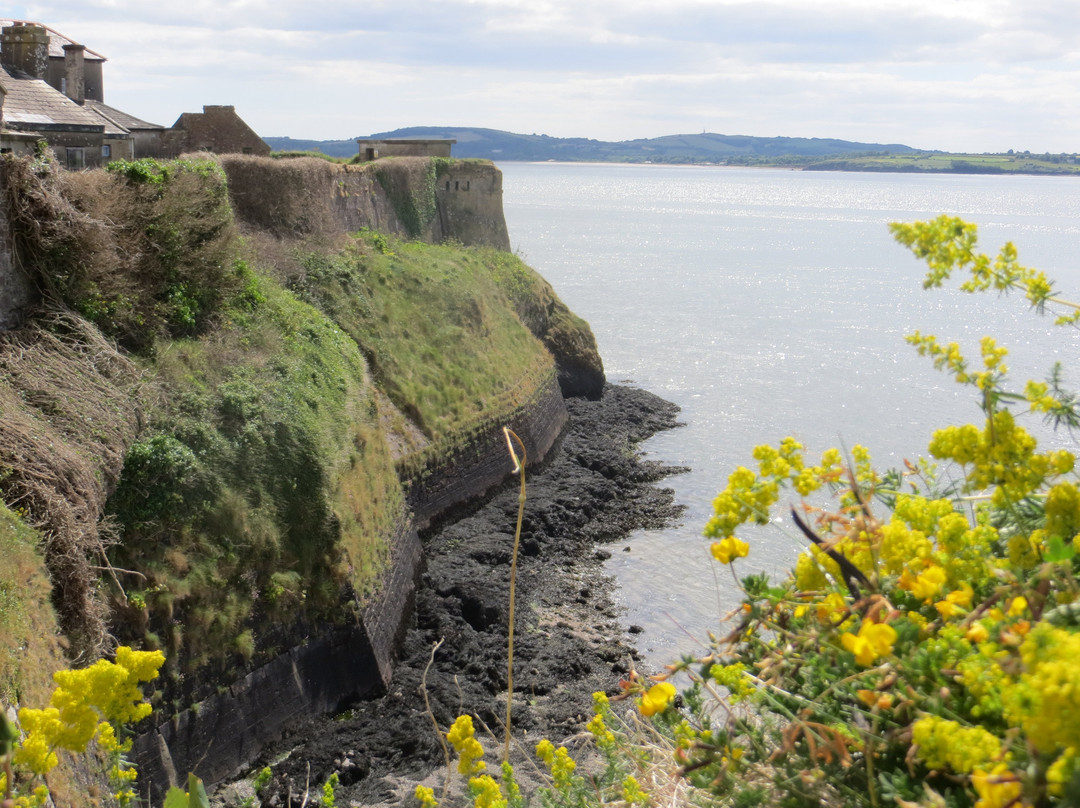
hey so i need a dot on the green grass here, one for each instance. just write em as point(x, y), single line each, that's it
point(440, 331)
point(264, 489)
point(952, 163)
point(29, 642)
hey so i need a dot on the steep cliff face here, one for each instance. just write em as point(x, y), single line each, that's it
point(430, 199)
point(255, 417)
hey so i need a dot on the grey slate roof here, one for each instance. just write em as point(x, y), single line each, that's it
point(56, 40)
point(117, 120)
point(30, 103)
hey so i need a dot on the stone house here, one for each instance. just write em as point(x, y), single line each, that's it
point(220, 130)
point(52, 89)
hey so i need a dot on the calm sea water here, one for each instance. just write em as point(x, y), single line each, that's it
point(768, 303)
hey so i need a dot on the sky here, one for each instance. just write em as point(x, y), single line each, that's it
point(956, 75)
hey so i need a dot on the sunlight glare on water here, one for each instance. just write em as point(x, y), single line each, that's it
point(766, 303)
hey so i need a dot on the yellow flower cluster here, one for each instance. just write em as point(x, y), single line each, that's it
point(558, 761)
point(1001, 457)
point(632, 793)
point(1045, 700)
point(944, 744)
point(727, 550)
point(1062, 770)
point(486, 792)
point(604, 737)
point(426, 797)
point(926, 584)
point(83, 704)
point(749, 495)
point(1063, 511)
point(462, 736)
point(732, 677)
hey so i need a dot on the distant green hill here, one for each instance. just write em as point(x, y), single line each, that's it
point(823, 154)
point(494, 144)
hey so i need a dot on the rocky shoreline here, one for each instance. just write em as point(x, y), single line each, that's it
point(594, 489)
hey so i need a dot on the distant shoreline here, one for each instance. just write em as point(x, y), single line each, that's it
point(708, 149)
point(832, 165)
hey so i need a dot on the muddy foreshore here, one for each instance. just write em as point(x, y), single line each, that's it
point(593, 490)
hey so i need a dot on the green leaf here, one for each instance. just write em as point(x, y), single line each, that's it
point(1057, 550)
point(8, 735)
point(196, 793)
point(176, 797)
point(194, 797)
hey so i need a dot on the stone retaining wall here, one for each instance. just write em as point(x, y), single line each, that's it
point(300, 196)
point(221, 735)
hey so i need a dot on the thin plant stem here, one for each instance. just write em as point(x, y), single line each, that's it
point(427, 707)
point(519, 469)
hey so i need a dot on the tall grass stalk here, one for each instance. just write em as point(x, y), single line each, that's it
point(519, 469)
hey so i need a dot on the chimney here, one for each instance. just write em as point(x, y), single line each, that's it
point(27, 48)
point(75, 68)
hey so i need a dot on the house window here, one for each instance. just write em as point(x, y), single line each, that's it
point(106, 151)
point(246, 149)
point(76, 158)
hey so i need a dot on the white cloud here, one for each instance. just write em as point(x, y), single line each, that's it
point(954, 74)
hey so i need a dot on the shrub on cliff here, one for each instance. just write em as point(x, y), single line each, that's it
point(145, 250)
point(262, 495)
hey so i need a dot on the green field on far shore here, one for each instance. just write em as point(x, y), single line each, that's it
point(953, 163)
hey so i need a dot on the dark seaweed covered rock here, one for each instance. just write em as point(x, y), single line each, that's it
point(568, 641)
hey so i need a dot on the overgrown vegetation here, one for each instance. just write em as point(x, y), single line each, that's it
point(259, 493)
point(144, 251)
point(436, 325)
point(262, 492)
point(412, 191)
point(28, 628)
point(70, 408)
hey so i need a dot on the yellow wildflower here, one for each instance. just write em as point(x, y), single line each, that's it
point(997, 789)
point(873, 640)
point(632, 793)
point(470, 752)
point(832, 609)
point(927, 584)
point(1061, 771)
point(558, 761)
point(426, 796)
point(729, 549)
point(956, 602)
point(486, 792)
point(603, 736)
point(944, 744)
point(1018, 606)
point(657, 699)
